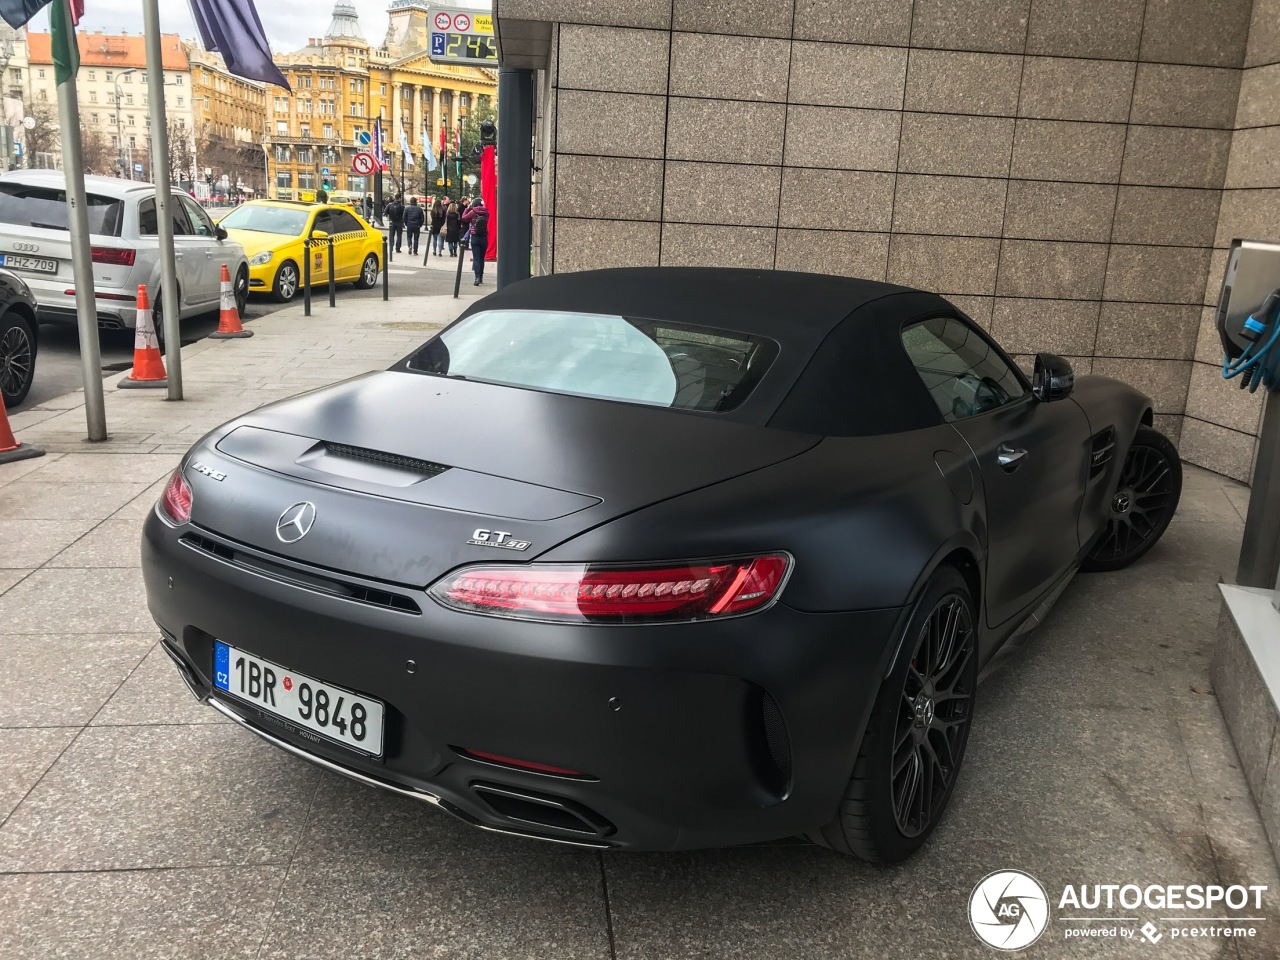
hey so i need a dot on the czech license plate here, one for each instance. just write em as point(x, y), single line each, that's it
point(39, 264)
point(330, 711)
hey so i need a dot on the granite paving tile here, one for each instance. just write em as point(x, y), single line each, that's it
point(72, 601)
point(31, 543)
point(112, 543)
point(64, 679)
point(175, 796)
point(29, 499)
point(200, 914)
point(26, 755)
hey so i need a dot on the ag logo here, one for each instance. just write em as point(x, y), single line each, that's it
point(1008, 910)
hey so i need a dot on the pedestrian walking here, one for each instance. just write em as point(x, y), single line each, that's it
point(414, 218)
point(477, 219)
point(437, 225)
point(322, 195)
point(395, 218)
point(368, 206)
point(451, 228)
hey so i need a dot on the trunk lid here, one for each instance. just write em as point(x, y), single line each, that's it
point(404, 469)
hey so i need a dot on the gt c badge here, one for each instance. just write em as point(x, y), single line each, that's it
point(295, 523)
point(497, 538)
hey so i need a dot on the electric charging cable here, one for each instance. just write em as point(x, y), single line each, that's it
point(1259, 362)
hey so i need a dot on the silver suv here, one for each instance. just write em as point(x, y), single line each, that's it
point(36, 245)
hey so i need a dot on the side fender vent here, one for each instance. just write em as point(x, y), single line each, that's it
point(771, 743)
point(1102, 449)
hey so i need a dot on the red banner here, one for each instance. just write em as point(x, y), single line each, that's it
point(489, 190)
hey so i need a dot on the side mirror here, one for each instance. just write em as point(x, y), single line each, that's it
point(319, 235)
point(1052, 379)
point(219, 232)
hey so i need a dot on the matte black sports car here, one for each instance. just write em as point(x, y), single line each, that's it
point(653, 558)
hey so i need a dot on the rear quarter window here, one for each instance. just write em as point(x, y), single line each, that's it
point(46, 208)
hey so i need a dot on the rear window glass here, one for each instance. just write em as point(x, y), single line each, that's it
point(46, 207)
point(597, 355)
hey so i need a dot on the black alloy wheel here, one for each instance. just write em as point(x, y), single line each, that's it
point(17, 358)
point(241, 289)
point(933, 718)
point(909, 760)
point(1144, 502)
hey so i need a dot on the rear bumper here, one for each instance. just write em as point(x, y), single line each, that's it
point(688, 735)
point(55, 305)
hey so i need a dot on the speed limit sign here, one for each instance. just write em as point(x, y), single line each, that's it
point(364, 164)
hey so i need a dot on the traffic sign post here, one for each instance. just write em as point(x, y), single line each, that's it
point(462, 37)
point(362, 163)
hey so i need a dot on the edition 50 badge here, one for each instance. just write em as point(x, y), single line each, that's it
point(497, 538)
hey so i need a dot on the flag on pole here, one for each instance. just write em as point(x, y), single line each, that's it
point(379, 153)
point(404, 145)
point(428, 155)
point(442, 144)
point(63, 17)
point(18, 12)
point(233, 29)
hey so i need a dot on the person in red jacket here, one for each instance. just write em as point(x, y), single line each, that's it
point(477, 218)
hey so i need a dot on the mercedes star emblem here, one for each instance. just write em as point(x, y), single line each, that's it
point(295, 523)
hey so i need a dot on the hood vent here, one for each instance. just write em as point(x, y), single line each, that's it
point(424, 467)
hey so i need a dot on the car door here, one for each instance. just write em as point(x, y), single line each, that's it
point(349, 245)
point(1031, 457)
point(205, 240)
point(188, 253)
point(322, 223)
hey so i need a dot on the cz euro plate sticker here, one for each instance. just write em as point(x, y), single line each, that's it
point(332, 712)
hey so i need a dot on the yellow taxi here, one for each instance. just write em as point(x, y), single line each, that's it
point(272, 234)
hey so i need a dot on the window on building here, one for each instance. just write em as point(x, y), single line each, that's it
point(127, 77)
point(182, 101)
point(93, 96)
point(111, 75)
point(177, 78)
point(282, 154)
point(133, 143)
point(306, 180)
point(128, 99)
point(40, 73)
point(382, 89)
point(305, 129)
point(306, 155)
point(130, 119)
point(351, 61)
point(115, 141)
point(282, 128)
point(93, 74)
point(284, 179)
point(44, 95)
point(328, 131)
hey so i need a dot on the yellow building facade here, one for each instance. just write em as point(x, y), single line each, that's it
point(341, 84)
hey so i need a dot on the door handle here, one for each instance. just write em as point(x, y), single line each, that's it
point(1009, 457)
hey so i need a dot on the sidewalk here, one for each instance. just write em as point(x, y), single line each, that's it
point(135, 823)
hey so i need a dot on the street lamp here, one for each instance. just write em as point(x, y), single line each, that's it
point(120, 162)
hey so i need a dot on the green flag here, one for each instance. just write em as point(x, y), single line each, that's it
point(66, 49)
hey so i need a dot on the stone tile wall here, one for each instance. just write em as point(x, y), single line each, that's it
point(1055, 167)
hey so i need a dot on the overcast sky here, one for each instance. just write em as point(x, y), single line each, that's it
point(288, 22)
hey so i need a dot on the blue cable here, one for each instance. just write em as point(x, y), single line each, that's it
point(1250, 362)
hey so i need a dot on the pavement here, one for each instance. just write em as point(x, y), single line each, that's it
point(135, 823)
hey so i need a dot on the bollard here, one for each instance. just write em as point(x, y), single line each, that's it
point(457, 281)
point(386, 277)
point(333, 282)
point(386, 239)
point(306, 277)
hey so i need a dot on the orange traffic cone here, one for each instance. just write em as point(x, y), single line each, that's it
point(148, 367)
point(10, 448)
point(228, 316)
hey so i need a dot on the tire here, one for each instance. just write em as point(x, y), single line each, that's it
point(1145, 500)
point(241, 288)
point(878, 820)
point(368, 273)
point(285, 286)
point(17, 357)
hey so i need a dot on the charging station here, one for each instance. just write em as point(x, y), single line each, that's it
point(1246, 660)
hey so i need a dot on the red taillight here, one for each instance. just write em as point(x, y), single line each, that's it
point(588, 593)
point(115, 256)
point(176, 499)
point(522, 764)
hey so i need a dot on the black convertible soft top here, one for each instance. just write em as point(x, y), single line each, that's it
point(841, 369)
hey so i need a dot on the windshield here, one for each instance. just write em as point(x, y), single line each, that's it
point(281, 220)
point(596, 355)
point(46, 207)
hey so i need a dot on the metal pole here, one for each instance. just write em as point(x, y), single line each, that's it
point(164, 199)
point(386, 277)
point(515, 163)
point(462, 256)
point(333, 284)
point(81, 262)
